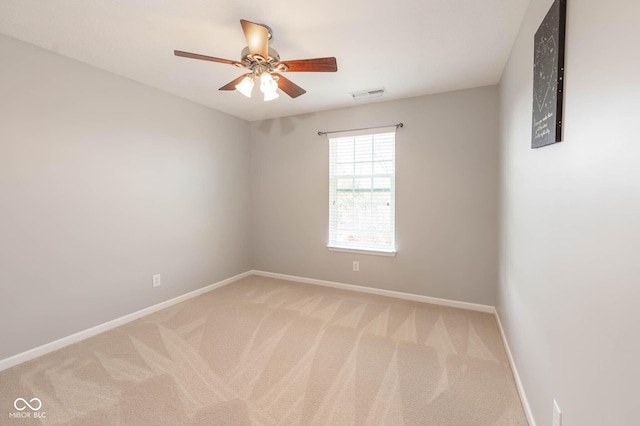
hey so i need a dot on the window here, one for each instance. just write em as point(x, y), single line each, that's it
point(362, 191)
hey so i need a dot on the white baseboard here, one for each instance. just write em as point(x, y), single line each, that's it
point(516, 376)
point(381, 292)
point(81, 335)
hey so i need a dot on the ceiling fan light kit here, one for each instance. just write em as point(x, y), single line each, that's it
point(264, 64)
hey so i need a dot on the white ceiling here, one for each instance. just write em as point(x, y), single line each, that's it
point(409, 47)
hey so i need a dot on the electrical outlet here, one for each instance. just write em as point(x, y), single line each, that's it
point(156, 281)
point(356, 265)
point(557, 414)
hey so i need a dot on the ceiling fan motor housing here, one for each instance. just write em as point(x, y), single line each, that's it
point(258, 63)
point(248, 58)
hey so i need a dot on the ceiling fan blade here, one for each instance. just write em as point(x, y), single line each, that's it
point(232, 84)
point(312, 65)
point(206, 58)
point(257, 38)
point(289, 87)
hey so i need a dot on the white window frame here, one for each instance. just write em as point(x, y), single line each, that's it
point(336, 243)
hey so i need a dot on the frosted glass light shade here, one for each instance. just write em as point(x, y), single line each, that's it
point(245, 86)
point(267, 83)
point(268, 86)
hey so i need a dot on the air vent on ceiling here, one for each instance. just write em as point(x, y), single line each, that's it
point(368, 94)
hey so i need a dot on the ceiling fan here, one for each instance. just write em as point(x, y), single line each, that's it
point(265, 65)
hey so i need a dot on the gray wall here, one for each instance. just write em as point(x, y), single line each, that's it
point(104, 182)
point(570, 262)
point(446, 201)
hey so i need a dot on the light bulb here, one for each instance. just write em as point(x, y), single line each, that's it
point(245, 86)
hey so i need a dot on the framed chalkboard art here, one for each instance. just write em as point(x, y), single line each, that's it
point(548, 77)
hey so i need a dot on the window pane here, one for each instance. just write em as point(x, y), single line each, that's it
point(344, 150)
point(363, 169)
point(344, 169)
point(344, 183)
point(363, 149)
point(380, 197)
point(362, 183)
point(382, 182)
point(383, 154)
point(383, 168)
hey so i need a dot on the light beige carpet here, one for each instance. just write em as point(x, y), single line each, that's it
point(270, 352)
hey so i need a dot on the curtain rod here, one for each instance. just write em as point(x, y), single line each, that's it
point(364, 128)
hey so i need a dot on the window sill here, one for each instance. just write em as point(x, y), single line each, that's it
point(389, 253)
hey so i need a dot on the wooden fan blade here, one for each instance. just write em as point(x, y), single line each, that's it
point(289, 87)
point(232, 85)
point(206, 58)
point(257, 38)
point(312, 65)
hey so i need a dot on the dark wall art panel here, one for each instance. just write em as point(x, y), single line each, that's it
point(548, 75)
